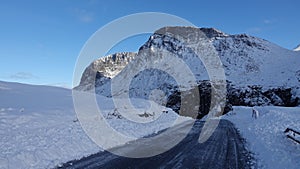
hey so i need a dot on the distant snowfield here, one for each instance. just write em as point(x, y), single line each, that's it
point(265, 135)
point(39, 128)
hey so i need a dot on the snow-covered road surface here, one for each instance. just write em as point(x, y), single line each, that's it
point(224, 149)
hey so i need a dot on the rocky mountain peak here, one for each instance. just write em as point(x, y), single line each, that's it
point(212, 32)
point(104, 69)
point(110, 65)
point(185, 31)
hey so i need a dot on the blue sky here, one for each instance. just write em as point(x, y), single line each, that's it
point(41, 39)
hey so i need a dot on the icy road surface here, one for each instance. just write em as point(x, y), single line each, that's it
point(224, 149)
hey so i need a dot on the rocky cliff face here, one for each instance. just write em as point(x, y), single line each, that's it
point(257, 72)
point(104, 69)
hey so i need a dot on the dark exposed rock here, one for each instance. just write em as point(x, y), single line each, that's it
point(212, 32)
point(257, 96)
point(205, 99)
point(248, 96)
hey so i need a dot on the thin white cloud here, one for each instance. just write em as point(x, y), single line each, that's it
point(86, 19)
point(84, 15)
point(269, 21)
point(23, 76)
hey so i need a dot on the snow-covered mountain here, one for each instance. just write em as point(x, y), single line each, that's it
point(258, 72)
point(297, 48)
point(247, 60)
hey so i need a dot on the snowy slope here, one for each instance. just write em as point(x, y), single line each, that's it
point(44, 97)
point(39, 128)
point(254, 59)
point(258, 61)
point(265, 135)
point(297, 48)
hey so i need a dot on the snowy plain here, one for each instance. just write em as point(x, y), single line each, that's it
point(39, 127)
point(265, 135)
